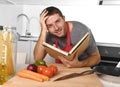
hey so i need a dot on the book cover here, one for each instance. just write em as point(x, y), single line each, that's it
point(78, 49)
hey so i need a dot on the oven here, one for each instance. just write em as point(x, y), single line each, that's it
point(110, 56)
point(110, 53)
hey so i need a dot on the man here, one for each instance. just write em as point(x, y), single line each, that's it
point(65, 34)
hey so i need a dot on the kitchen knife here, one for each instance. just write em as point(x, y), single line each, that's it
point(72, 75)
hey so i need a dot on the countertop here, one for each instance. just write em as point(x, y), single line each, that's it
point(28, 38)
point(82, 81)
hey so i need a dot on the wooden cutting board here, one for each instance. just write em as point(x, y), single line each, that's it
point(81, 81)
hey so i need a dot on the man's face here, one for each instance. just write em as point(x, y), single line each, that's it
point(56, 25)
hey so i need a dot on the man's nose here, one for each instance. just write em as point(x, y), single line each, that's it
point(56, 27)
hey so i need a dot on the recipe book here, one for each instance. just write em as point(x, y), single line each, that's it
point(78, 49)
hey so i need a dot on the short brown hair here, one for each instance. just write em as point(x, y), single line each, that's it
point(53, 10)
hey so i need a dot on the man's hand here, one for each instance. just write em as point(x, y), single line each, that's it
point(43, 18)
point(91, 60)
point(39, 51)
point(71, 64)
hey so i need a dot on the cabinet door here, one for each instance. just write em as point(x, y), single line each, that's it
point(26, 46)
point(48, 58)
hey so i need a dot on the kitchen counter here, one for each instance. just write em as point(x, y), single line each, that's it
point(28, 38)
point(81, 81)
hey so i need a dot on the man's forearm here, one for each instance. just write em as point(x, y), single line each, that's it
point(39, 52)
point(92, 60)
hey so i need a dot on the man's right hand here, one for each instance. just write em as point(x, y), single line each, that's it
point(43, 18)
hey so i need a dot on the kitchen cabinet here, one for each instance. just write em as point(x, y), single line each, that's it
point(26, 45)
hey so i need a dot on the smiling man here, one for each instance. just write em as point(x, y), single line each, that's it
point(65, 34)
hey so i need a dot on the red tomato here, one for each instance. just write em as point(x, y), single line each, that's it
point(40, 68)
point(54, 69)
point(48, 72)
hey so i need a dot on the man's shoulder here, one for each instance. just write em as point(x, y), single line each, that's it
point(77, 22)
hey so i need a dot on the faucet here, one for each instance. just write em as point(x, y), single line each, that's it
point(27, 33)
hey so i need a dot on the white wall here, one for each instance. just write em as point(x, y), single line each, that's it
point(102, 20)
point(8, 14)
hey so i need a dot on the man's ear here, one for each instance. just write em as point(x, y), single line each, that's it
point(64, 17)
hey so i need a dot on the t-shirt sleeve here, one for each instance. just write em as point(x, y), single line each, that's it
point(91, 48)
point(92, 44)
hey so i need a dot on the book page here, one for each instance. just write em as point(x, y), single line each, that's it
point(55, 49)
point(79, 43)
point(79, 48)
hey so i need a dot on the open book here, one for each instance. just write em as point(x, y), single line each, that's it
point(78, 49)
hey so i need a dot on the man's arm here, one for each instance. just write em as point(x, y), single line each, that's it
point(92, 60)
point(39, 51)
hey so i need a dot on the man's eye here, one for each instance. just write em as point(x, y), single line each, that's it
point(49, 26)
point(57, 21)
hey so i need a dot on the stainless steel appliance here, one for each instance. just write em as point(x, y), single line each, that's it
point(110, 53)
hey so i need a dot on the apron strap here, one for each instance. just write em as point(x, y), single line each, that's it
point(68, 46)
point(68, 37)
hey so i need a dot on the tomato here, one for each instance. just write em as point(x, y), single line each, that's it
point(54, 69)
point(40, 69)
point(48, 72)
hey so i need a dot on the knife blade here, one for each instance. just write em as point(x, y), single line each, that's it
point(72, 75)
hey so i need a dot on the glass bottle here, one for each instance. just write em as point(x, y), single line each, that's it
point(8, 51)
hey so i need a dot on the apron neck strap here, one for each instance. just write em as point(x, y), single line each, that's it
point(68, 36)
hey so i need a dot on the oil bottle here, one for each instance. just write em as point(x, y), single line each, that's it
point(8, 50)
